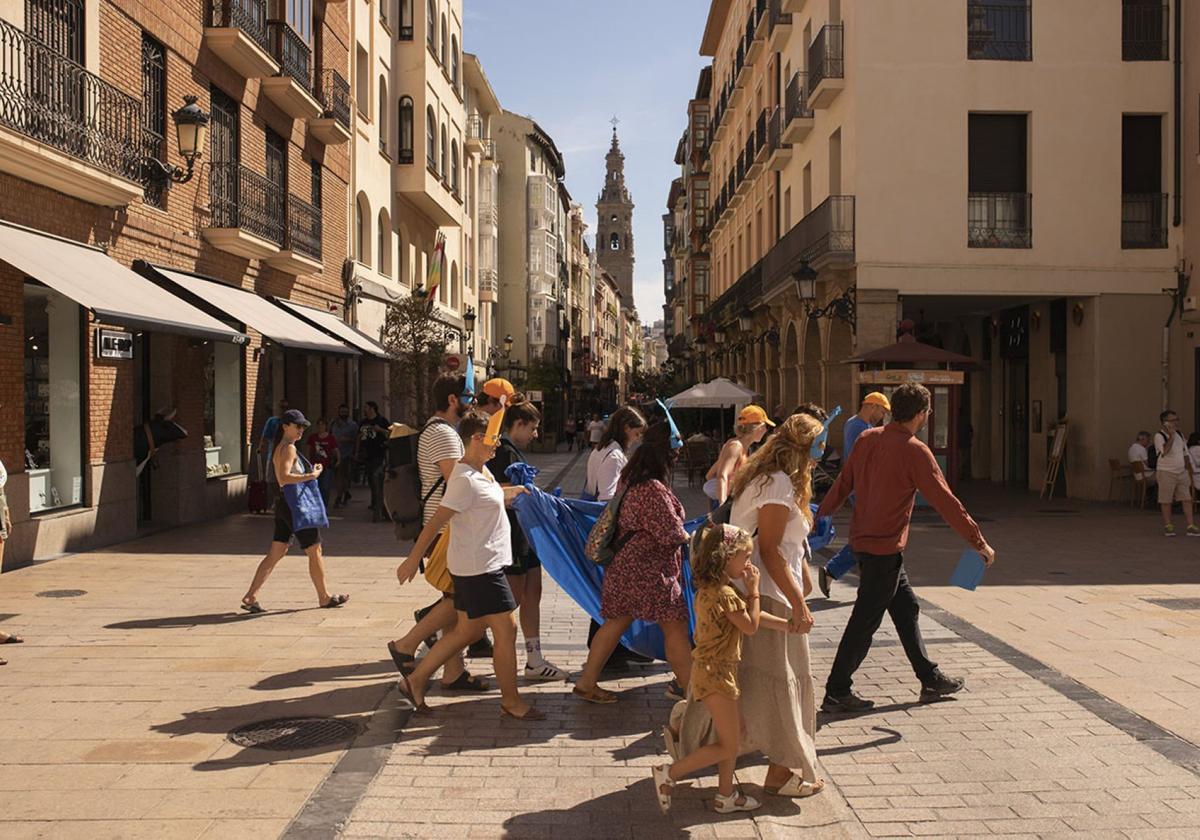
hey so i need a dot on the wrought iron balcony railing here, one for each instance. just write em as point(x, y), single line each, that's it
point(250, 16)
point(775, 131)
point(999, 31)
point(294, 56)
point(334, 95)
point(827, 231)
point(303, 227)
point(475, 127)
point(244, 199)
point(1144, 30)
point(55, 101)
point(777, 16)
point(826, 55)
point(999, 220)
point(1144, 220)
point(796, 98)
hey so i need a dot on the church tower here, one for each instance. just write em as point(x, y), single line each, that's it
point(614, 228)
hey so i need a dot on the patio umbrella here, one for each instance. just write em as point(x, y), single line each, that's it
point(718, 393)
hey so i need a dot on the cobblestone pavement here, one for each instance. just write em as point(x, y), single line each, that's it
point(116, 710)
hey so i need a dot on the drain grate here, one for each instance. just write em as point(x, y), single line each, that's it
point(62, 593)
point(1181, 604)
point(285, 734)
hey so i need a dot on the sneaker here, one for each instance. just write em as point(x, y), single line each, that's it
point(848, 702)
point(1193, 531)
point(941, 686)
point(1169, 531)
point(481, 649)
point(823, 581)
point(674, 692)
point(546, 672)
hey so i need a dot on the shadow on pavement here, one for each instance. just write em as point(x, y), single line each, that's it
point(826, 717)
point(891, 736)
point(304, 677)
point(204, 619)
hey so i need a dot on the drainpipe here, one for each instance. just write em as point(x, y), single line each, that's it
point(1178, 214)
point(779, 175)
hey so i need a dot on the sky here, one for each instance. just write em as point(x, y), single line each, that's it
point(572, 65)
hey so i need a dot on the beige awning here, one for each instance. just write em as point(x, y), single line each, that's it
point(335, 326)
point(272, 321)
point(114, 293)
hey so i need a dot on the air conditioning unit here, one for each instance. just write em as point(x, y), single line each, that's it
point(1191, 303)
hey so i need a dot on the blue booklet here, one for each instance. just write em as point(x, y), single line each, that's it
point(841, 563)
point(969, 573)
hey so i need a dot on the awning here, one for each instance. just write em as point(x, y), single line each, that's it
point(335, 326)
point(114, 293)
point(272, 321)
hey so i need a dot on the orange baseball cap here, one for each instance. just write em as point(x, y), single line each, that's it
point(498, 388)
point(753, 414)
point(876, 398)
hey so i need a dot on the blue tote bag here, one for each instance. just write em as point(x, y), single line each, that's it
point(304, 501)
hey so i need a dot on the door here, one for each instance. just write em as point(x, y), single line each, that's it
point(226, 155)
point(1014, 350)
point(56, 88)
point(277, 185)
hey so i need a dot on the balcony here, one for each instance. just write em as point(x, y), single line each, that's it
point(780, 25)
point(756, 36)
point(475, 134)
point(1144, 220)
point(65, 128)
point(794, 7)
point(826, 65)
point(332, 127)
point(778, 152)
point(999, 220)
point(423, 188)
point(826, 235)
point(301, 252)
point(999, 32)
point(1144, 30)
point(760, 137)
point(798, 113)
point(489, 285)
point(236, 32)
point(248, 217)
point(292, 89)
point(739, 80)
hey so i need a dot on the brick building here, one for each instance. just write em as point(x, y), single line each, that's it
point(123, 300)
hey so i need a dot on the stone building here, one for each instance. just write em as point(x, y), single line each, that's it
point(614, 222)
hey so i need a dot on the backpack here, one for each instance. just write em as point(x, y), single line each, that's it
point(403, 499)
point(602, 542)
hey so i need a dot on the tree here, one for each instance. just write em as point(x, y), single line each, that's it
point(636, 357)
point(417, 342)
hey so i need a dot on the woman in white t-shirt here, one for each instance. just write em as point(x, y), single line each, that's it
point(480, 549)
point(624, 431)
point(771, 501)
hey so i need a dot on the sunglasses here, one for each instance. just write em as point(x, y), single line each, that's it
point(466, 399)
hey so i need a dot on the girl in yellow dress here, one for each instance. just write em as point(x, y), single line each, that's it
point(722, 618)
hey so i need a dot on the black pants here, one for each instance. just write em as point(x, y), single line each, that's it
point(882, 587)
point(375, 481)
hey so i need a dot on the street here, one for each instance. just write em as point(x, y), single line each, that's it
point(119, 707)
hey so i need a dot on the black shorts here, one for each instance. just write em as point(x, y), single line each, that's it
point(483, 595)
point(523, 564)
point(306, 537)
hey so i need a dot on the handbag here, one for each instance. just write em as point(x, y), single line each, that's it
point(304, 501)
point(437, 571)
point(604, 541)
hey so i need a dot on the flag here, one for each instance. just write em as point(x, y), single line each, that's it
point(437, 267)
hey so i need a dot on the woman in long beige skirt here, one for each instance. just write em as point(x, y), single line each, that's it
point(772, 493)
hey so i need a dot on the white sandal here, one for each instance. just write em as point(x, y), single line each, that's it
point(797, 788)
point(671, 742)
point(729, 804)
point(662, 776)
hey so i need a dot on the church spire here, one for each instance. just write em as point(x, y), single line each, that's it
point(614, 210)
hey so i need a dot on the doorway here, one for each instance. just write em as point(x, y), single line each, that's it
point(1014, 350)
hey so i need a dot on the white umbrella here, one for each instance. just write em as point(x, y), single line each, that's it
point(716, 394)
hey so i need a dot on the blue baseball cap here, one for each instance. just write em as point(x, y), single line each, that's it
point(295, 416)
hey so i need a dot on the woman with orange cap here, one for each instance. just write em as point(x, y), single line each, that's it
point(751, 428)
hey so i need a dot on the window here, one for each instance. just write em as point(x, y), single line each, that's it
point(406, 20)
point(362, 83)
point(445, 156)
point(1145, 25)
point(455, 293)
point(613, 218)
point(298, 14)
point(430, 140)
point(223, 409)
point(316, 190)
point(383, 244)
point(614, 242)
point(362, 230)
point(382, 120)
point(431, 24)
point(53, 328)
point(998, 204)
point(835, 163)
point(454, 60)
point(999, 30)
point(469, 188)
point(700, 279)
point(1143, 202)
point(400, 259)
point(383, 13)
point(454, 166)
point(445, 35)
point(154, 114)
point(535, 254)
point(551, 253)
point(404, 135)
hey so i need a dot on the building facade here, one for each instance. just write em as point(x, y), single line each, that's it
point(822, 173)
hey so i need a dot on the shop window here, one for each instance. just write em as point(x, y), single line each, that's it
point(53, 425)
point(223, 409)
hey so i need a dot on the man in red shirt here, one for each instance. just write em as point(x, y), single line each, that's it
point(886, 470)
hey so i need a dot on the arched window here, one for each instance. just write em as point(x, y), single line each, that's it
point(613, 219)
point(445, 156)
point(455, 294)
point(431, 23)
point(362, 230)
point(385, 244)
point(381, 117)
point(445, 36)
point(615, 242)
point(404, 135)
point(454, 166)
point(454, 59)
point(400, 259)
point(406, 20)
point(431, 140)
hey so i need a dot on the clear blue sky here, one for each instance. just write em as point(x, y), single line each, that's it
point(571, 65)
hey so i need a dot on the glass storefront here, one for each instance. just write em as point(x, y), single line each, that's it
point(223, 410)
point(53, 419)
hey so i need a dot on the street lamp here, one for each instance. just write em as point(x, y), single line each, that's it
point(746, 319)
point(806, 282)
point(191, 132)
point(508, 344)
point(719, 335)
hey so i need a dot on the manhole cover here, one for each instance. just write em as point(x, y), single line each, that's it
point(62, 593)
point(294, 733)
point(1175, 603)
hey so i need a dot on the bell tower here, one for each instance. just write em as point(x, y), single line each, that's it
point(614, 222)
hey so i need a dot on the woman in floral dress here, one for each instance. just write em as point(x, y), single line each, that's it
point(645, 579)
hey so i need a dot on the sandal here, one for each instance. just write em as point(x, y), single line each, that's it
point(254, 608)
point(10, 639)
point(406, 690)
point(662, 778)
point(404, 661)
point(797, 788)
point(595, 695)
point(530, 714)
point(467, 682)
point(335, 601)
point(730, 805)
